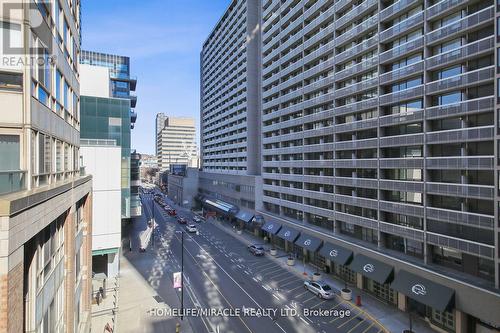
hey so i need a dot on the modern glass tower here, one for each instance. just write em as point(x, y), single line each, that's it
point(113, 117)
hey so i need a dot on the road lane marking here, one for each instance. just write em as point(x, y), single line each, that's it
point(368, 328)
point(286, 278)
point(301, 286)
point(352, 329)
point(235, 282)
point(304, 320)
point(352, 318)
point(302, 294)
point(318, 304)
point(273, 276)
point(307, 300)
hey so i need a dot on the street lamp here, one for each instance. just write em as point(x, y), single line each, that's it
point(154, 222)
point(182, 272)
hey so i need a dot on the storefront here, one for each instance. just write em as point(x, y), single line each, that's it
point(374, 277)
point(425, 298)
point(244, 219)
point(224, 211)
point(288, 237)
point(310, 246)
point(336, 260)
point(269, 230)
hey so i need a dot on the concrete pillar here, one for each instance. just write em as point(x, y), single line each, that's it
point(359, 281)
point(460, 322)
point(11, 298)
point(69, 263)
point(402, 302)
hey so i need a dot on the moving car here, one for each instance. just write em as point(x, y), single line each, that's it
point(191, 228)
point(256, 250)
point(181, 220)
point(320, 288)
point(172, 212)
point(196, 219)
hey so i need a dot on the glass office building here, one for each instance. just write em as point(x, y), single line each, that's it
point(109, 119)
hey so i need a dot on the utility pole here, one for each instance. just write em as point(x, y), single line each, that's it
point(182, 272)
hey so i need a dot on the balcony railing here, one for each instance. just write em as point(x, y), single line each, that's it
point(12, 181)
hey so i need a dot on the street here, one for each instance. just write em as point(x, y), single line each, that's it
point(220, 273)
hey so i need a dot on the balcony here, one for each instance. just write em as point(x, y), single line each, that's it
point(465, 52)
point(403, 163)
point(402, 140)
point(476, 20)
point(356, 69)
point(443, 7)
point(133, 101)
point(357, 144)
point(356, 87)
point(401, 73)
point(461, 163)
point(133, 116)
point(353, 51)
point(461, 245)
point(12, 181)
point(401, 118)
point(464, 218)
point(483, 133)
point(402, 231)
point(402, 27)
point(369, 163)
point(456, 109)
point(357, 11)
point(396, 8)
point(356, 106)
point(402, 95)
point(475, 77)
point(461, 190)
point(357, 30)
point(401, 50)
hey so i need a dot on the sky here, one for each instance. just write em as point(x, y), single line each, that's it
point(163, 39)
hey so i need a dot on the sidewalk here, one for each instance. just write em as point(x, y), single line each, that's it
point(391, 318)
point(105, 312)
point(138, 297)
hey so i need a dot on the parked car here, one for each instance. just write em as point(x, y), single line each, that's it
point(181, 220)
point(256, 250)
point(172, 212)
point(319, 288)
point(191, 228)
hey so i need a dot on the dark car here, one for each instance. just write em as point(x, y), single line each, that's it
point(181, 220)
point(172, 212)
point(256, 250)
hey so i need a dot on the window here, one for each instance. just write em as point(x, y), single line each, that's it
point(12, 81)
point(44, 153)
point(10, 152)
point(448, 72)
point(450, 98)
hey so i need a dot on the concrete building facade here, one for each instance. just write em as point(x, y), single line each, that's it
point(376, 129)
point(182, 188)
point(176, 141)
point(230, 106)
point(101, 159)
point(45, 198)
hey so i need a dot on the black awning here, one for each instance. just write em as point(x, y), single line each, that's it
point(244, 215)
point(309, 242)
point(371, 268)
point(271, 227)
point(435, 295)
point(288, 234)
point(335, 253)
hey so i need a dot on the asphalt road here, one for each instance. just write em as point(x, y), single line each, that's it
point(221, 274)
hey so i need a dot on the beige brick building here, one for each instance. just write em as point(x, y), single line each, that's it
point(45, 199)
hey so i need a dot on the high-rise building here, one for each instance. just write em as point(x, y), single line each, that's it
point(379, 142)
point(107, 105)
point(176, 142)
point(45, 198)
point(160, 123)
point(230, 99)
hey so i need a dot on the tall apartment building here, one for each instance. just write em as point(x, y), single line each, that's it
point(108, 112)
point(176, 141)
point(45, 200)
point(379, 138)
point(377, 125)
point(160, 123)
point(230, 99)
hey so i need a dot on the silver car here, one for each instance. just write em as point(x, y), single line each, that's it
point(320, 288)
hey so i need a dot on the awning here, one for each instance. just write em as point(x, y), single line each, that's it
point(308, 242)
point(271, 227)
point(244, 215)
point(288, 234)
point(219, 205)
point(432, 294)
point(335, 253)
point(371, 268)
point(104, 251)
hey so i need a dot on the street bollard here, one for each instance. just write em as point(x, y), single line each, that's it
point(358, 300)
point(177, 328)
